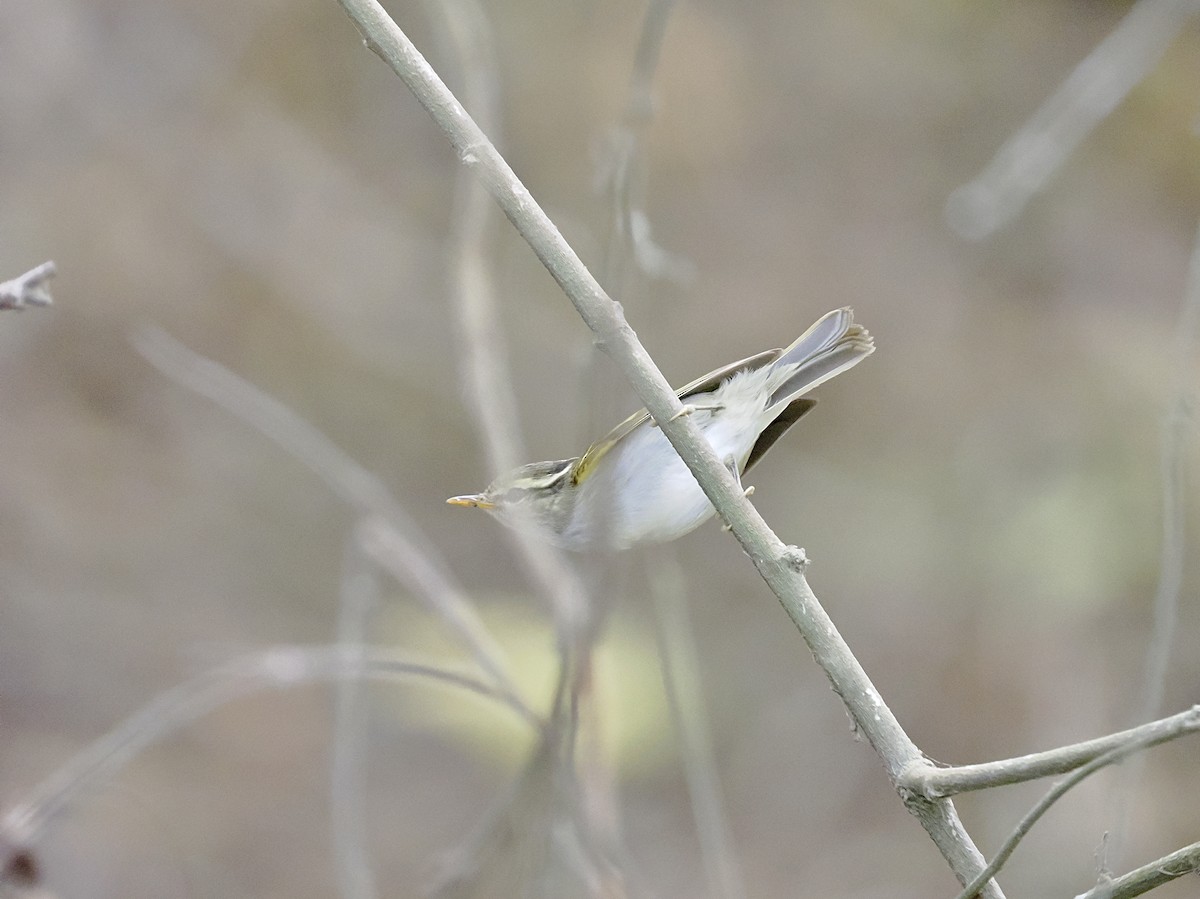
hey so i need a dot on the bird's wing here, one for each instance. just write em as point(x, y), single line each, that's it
point(705, 384)
point(789, 416)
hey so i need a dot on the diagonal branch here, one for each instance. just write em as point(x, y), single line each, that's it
point(781, 566)
point(1038, 149)
point(386, 533)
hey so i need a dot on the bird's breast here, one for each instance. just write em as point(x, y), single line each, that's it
point(641, 492)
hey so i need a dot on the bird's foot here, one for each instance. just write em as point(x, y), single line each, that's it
point(732, 465)
point(692, 408)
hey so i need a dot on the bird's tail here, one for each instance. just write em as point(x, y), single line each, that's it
point(832, 345)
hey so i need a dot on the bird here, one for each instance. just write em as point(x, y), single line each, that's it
point(630, 488)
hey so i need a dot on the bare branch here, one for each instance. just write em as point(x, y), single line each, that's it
point(621, 169)
point(780, 565)
point(934, 783)
point(1022, 167)
point(29, 289)
point(388, 534)
point(273, 668)
point(1148, 877)
point(484, 370)
point(1043, 805)
point(1036, 151)
point(484, 366)
point(384, 534)
point(1177, 431)
point(631, 251)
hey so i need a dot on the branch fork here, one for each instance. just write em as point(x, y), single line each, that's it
point(29, 289)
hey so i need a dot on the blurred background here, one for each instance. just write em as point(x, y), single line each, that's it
point(981, 499)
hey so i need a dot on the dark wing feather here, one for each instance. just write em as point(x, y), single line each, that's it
point(702, 384)
point(776, 429)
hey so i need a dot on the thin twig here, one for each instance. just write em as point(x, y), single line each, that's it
point(1178, 429)
point(1043, 805)
point(780, 565)
point(934, 783)
point(1149, 876)
point(272, 668)
point(1035, 152)
point(29, 289)
point(388, 534)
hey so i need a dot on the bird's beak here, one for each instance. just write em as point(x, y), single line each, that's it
point(476, 500)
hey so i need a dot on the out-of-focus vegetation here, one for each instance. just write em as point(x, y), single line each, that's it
point(981, 499)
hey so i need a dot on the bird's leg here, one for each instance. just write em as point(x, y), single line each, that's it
point(731, 464)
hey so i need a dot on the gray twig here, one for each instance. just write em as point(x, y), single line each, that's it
point(29, 289)
point(1055, 793)
point(1149, 876)
point(934, 783)
point(773, 559)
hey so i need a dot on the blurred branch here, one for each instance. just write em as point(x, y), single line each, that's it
point(388, 534)
point(934, 783)
point(1043, 805)
point(1022, 167)
point(684, 686)
point(1036, 151)
point(623, 174)
point(29, 289)
point(273, 668)
point(1148, 877)
point(1177, 430)
point(358, 598)
point(781, 566)
point(621, 167)
point(483, 363)
point(484, 369)
point(385, 535)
